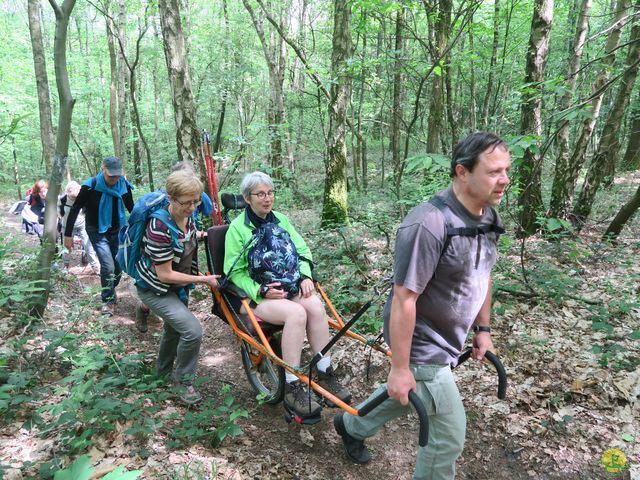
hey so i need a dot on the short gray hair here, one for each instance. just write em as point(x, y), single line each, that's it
point(252, 180)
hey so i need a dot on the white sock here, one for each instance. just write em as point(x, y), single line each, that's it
point(290, 377)
point(324, 363)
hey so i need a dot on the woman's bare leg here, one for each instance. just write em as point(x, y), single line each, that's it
point(317, 325)
point(294, 319)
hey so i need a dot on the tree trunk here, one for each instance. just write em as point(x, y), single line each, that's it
point(334, 206)
point(472, 85)
point(530, 199)
point(621, 218)
point(39, 302)
point(602, 167)
point(567, 176)
point(396, 108)
point(113, 89)
point(442, 30)
point(187, 135)
point(276, 59)
point(42, 84)
point(558, 190)
point(135, 113)
point(123, 100)
point(492, 64)
point(631, 160)
point(16, 170)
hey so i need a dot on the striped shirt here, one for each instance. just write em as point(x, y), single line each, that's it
point(158, 248)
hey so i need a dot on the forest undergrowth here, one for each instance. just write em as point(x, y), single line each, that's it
point(78, 395)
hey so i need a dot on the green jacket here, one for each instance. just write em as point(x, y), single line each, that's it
point(239, 233)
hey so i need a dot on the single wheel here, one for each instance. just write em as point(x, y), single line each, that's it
point(264, 376)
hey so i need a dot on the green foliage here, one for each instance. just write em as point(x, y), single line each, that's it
point(198, 426)
point(81, 470)
point(80, 383)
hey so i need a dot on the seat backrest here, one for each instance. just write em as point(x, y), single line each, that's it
point(215, 244)
point(232, 201)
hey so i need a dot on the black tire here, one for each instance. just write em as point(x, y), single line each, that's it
point(265, 377)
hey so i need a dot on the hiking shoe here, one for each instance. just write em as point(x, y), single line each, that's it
point(300, 400)
point(108, 309)
point(356, 449)
point(96, 270)
point(188, 395)
point(84, 260)
point(141, 318)
point(329, 381)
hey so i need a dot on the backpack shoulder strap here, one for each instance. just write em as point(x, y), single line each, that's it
point(165, 216)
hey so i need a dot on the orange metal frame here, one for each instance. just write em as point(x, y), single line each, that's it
point(264, 347)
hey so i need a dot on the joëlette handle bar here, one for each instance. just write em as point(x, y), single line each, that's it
point(502, 374)
point(417, 404)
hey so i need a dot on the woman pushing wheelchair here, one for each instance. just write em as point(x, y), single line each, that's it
point(267, 258)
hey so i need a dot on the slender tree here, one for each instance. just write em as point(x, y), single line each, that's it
point(113, 86)
point(631, 160)
point(273, 48)
point(602, 167)
point(334, 205)
point(559, 191)
point(441, 31)
point(396, 106)
point(184, 108)
point(530, 199)
point(566, 174)
point(492, 64)
point(66, 102)
point(42, 83)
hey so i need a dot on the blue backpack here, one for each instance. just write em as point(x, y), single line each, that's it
point(273, 258)
point(130, 236)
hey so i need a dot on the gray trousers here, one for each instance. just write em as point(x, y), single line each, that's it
point(438, 391)
point(180, 343)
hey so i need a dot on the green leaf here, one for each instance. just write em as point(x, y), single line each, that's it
point(635, 335)
point(627, 437)
point(602, 327)
point(78, 470)
point(120, 474)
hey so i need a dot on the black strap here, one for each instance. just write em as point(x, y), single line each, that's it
point(439, 203)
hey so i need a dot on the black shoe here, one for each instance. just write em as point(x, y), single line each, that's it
point(329, 381)
point(296, 399)
point(356, 449)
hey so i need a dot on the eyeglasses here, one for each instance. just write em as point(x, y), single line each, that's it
point(194, 203)
point(263, 195)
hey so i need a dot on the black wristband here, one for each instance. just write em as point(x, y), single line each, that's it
point(481, 328)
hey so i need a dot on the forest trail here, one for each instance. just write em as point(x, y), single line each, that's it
point(536, 433)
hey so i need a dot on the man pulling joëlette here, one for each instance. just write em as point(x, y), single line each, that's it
point(442, 288)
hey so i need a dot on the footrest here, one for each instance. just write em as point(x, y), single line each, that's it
point(290, 415)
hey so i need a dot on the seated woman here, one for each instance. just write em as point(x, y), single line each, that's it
point(168, 269)
point(291, 304)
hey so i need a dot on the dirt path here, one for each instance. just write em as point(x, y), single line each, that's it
point(503, 442)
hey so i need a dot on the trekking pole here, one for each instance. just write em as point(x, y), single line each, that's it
point(502, 374)
point(423, 435)
point(210, 166)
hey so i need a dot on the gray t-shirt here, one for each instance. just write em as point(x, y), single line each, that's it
point(452, 288)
